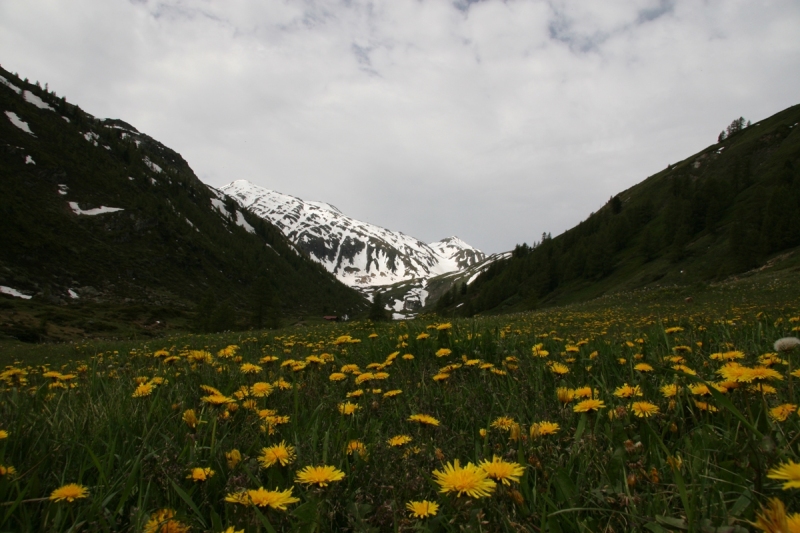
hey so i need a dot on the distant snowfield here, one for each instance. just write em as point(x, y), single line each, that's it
point(35, 100)
point(18, 122)
point(240, 221)
point(29, 160)
point(14, 292)
point(10, 85)
point(96, 211)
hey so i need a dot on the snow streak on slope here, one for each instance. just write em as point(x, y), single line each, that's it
point(361, 255)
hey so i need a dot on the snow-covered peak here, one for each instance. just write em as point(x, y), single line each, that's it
point(358, 253)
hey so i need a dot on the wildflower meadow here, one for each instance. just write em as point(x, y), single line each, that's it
point(620, 417)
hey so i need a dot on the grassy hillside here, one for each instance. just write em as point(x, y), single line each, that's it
point(177, 252)
point(729, 209)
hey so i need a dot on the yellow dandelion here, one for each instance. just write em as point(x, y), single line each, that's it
point(249, 368)
point(319, 475)
point(398, 440)
point(504, 472)
point(788, 472)
point(190, 418)
point(392, 393)
point(366, 376)
point(271, 498)
point(589, 405)
point(504, 423)
point(142, 390)
point(356, 446)
point(69, 492)
point(162, 521)
point(280, 453)
point(704, 406)
point(543, 428)
point(470, 480)
point(670, 390)
point(559, 369)
point(565, 395)
point(347, 408)
point(423, 419)
point(643, 367)
point(200, 474)
point(644, 409)
point(261, 389)
point(337, 376)
point(356, 393)
point(627, 391)
point(233, 458)
point(422, 509)
point(443, 352)
point(782, 412)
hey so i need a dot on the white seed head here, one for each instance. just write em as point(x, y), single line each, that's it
point(786, 344)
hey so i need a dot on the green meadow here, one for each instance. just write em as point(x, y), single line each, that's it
point(636, 412)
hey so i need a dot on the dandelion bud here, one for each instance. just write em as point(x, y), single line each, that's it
point(631, 479)
point(190, 418)
point(516, 496)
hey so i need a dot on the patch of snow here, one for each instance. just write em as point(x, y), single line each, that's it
point(152, 166)
point(95, 211)
point(106, 147)
point(472, 277)
point(219, 205)
point(14, 292)
point(130, 178)
point(35, 100)
point(91, 137)
point(72, 294)
point(188, 221)
point(18, 122)
point(153, 181)
point(398, 316)
point(62, 189)
point(240, 221)
point(65, 118)
point(138, 142)
point(29, 160)
point(10, 85)
point(398, 305)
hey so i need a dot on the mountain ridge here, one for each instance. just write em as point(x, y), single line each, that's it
point(360, 254)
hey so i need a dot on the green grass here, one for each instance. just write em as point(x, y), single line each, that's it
point(595, 474)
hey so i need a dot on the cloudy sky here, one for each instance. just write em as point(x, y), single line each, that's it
point(491, 120)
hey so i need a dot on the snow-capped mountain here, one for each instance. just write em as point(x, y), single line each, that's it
point(359, 254)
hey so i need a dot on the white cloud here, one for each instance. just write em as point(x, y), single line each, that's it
point(491, 120)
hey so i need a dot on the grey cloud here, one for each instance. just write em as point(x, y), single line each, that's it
point(571, 101)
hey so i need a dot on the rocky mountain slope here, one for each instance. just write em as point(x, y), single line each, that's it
point(361, 255)
point(105, 230)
